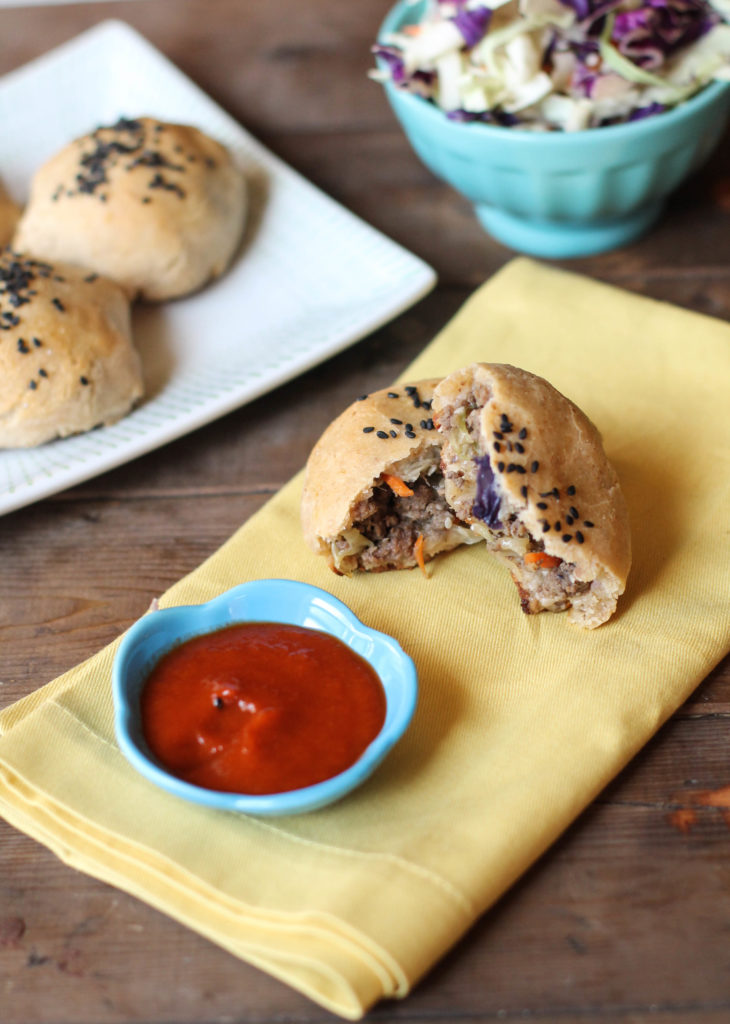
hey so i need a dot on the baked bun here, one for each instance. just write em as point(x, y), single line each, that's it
point(9, 216)
point(527, 470)
point(351, 514)
point(67, 363)
point(157, 207)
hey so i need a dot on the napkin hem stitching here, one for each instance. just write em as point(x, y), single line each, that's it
point(447, 887)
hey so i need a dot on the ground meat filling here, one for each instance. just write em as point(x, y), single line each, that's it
point(392, 524)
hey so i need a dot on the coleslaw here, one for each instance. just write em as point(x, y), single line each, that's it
point(558, 65)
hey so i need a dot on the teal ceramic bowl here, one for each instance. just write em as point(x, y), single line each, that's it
point(269, 600)
point(562, 194)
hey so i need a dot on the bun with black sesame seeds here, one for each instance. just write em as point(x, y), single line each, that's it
point(373, 485)
point(526, 468)
point(158, 207)
point(67, 362)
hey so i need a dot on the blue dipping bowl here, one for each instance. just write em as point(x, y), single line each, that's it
point(270, 600)
point(561, 194)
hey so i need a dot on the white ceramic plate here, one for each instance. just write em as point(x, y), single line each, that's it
point(311, 278)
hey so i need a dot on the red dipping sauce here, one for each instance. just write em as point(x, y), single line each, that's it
point(261, 707)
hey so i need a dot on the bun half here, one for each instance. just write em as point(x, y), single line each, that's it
point(525, 467)
point(350, 512)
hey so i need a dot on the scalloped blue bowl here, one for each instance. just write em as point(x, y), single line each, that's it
point(269, 600)
point(562, 194)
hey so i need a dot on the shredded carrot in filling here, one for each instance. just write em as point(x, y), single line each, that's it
point(397, 486)
point(541, 560)
point(418, 554)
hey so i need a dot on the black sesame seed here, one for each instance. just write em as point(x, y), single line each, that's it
point(361, 398)
point(542, 504)
point(430, 424)
point(410, 433)
point(398, 423)
point(84, 381)
point(505, 425)
point(410, 389)
point(500, 467)
point(520, 469)
point(393, 433)
point(574, 512)
point(497, 446)
point(523, 491)
point(571, 490)
point(498, 435)
point(59, 305)
point(409, 426)
point(368, 430)
point(382, 434)
point(91, 278)
point(558, 527)
point(545, 526)
point(393, 394)
point(556, 492)
point(32, 385)
point(23, 346)
point(424, 424)
point(519, 447)
point(588, 523)
point(42, 372)
point(579, 536)
point(511, 467)
point(569, 520)
point(567, 537)
point(522, 434)
point(427, 404)
point(534, 467)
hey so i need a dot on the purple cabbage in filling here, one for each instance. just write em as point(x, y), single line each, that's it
point(487, 501)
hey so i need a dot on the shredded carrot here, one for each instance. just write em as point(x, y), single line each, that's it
point(541, 560)
point(397, 486)
point(418, 554)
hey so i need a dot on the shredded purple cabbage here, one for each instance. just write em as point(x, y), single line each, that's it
point(472, 23)
point(487, 501)
point(650, 34)
point(648, 111)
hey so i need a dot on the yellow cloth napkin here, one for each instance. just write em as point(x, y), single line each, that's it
point(521, 720)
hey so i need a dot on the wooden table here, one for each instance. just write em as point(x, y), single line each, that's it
point(626, 918)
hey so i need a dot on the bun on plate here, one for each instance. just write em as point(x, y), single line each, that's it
point(527, 470)
point(67, 362)
point(158, 207)
point(9, 216)
point(373, 485)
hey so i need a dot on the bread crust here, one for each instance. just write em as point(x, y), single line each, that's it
point(158, 207)
point(9, 216)
point(550, 473)
point(67, 362)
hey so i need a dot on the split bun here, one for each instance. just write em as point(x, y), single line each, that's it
point(490, 453)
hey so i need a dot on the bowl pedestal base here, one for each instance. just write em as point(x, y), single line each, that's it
point(566, 239)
